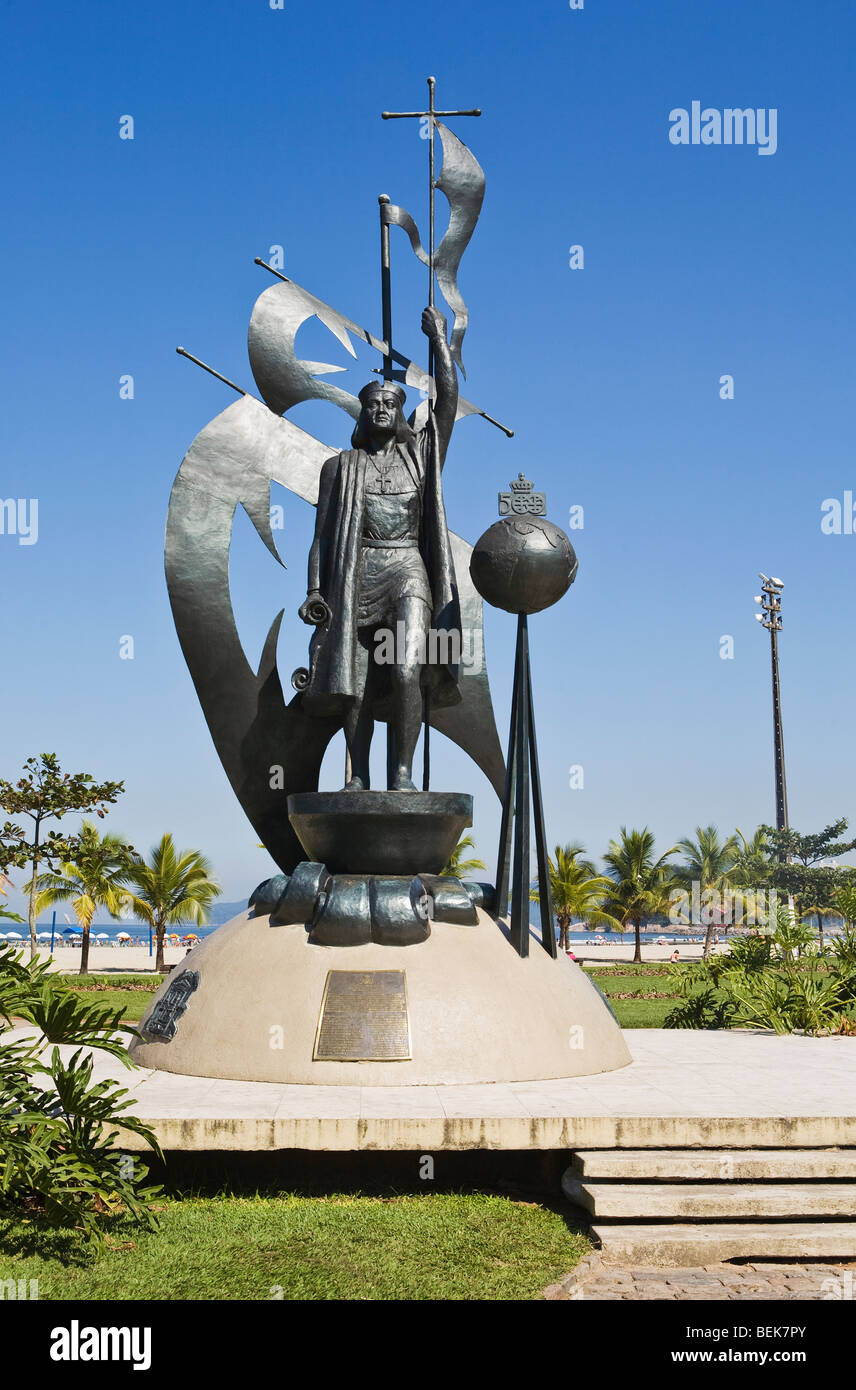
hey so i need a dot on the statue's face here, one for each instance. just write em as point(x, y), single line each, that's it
point(381, 411)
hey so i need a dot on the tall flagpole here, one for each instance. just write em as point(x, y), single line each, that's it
point(426, 694)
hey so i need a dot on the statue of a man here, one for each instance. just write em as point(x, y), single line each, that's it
point(381, 575)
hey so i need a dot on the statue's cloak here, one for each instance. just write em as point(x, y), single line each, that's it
point(339, 529)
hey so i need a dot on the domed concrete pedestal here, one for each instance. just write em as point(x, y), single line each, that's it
point(250, 1001)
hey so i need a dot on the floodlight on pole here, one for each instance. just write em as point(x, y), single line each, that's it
point(770, 617)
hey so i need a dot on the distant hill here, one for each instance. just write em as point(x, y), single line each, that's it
point(224, 912)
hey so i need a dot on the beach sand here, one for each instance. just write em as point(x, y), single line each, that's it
point(111, 960)
point(135, 960)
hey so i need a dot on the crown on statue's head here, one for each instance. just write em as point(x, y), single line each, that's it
point(382, 388)
point(521, 484)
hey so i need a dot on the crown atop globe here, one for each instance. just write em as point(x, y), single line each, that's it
point(523, 563)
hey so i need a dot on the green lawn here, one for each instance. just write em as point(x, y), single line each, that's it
point(642, 1013)
point(425, 1246)
point(129, 992)
point(637, 981)
point(133, 992)
point(625, 983)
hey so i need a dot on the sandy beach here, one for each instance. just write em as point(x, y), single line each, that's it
point(623, 951)
point(111, 960)
point(135, 960)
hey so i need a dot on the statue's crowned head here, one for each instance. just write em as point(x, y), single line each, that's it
point(382, 414)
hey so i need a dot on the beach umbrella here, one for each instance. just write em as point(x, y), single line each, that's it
point(14, 936)
point(103, 936)
point(73, 931)
point(123, 936)
point(44, 936)
point(191, 936)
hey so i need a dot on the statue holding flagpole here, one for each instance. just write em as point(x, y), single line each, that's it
point(383, 563)
point(381, 566)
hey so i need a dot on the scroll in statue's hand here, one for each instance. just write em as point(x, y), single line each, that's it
point(315, 610)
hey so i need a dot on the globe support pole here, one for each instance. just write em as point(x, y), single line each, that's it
point(523, 774)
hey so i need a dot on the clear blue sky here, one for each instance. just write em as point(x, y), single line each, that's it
point(255, 127)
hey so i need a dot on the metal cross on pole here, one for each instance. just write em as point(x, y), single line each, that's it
point(432, 115)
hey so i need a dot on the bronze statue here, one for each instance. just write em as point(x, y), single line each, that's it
point(382, 558)
point(381, 565)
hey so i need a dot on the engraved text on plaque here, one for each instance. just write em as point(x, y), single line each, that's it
point(363, 1017)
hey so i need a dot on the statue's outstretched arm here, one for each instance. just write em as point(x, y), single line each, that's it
point(445, 378)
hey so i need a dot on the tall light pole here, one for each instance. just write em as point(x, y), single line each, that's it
point(770, 617)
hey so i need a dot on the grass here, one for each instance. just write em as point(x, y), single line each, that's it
point(634, 982)
point(343, 1246)
point(642, 1013)
point(132, 993)
point(640, 984)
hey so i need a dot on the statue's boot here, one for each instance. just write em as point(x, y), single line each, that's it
point(402, 781)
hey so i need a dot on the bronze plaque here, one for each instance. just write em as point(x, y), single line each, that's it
point(363, 1017)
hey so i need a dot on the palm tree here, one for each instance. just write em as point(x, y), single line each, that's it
point(93, 879)
point(709, 862)
point(577, 891)
point(753, 868)
point(639, 884)
point(457, 865)
point(174, 887)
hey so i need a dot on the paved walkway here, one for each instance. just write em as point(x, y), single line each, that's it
point(594, 1281)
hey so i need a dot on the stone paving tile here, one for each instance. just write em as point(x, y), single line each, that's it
point(784, 1282)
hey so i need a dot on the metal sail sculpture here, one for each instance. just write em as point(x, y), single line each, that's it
point(269, 746)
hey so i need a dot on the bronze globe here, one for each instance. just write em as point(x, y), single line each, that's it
point(523, 564)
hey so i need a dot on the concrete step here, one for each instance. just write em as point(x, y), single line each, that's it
point(710, 1201)
point(687, 1245)
point(722, 1165)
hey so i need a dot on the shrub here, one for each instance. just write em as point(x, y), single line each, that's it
point(58, 1126)
point(767, 982)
